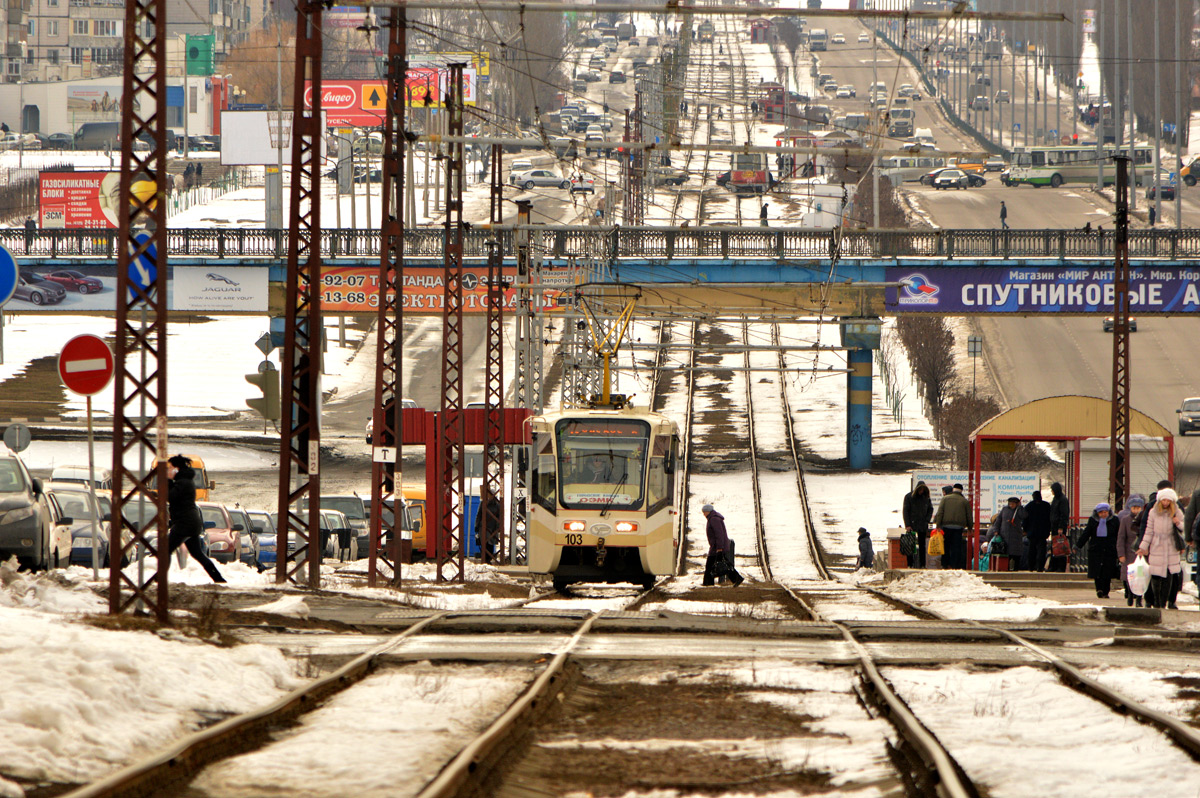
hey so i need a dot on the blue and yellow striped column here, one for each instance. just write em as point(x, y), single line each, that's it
point(858, 409)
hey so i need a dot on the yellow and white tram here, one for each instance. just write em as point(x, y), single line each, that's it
point(602, 498)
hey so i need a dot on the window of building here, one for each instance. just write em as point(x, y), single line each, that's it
point(52, 27)
point(29, 56)
point(52, 56)
point(104, 27)
point(31, 29)
point(76, 55)
point(192, 101)
point(52, 3)
point(80, 27)
point(14, 67)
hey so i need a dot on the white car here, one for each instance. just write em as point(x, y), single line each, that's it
point(845, 91)
point(517, 168)
point(950, 178)
point(582, 184)
point(540, 177)
point(864, 37)
point(839, 38)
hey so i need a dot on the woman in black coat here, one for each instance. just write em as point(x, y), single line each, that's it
point(187, 525)
point(1101, 531)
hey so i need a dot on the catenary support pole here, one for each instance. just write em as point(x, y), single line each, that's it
point(858, 418)
point(1119, 438)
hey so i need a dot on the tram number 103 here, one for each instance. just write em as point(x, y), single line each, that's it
point(576, 539)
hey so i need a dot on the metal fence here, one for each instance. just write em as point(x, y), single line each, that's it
point(642, 242)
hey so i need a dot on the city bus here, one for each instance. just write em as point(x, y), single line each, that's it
point(1054, 166)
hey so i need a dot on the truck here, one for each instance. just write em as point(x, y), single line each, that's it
point(993, 50)
point(626, 31)
point(818, 39)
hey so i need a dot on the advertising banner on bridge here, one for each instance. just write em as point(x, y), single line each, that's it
point(78, 199)
point(994, 489)
point(93, 289)
point(963, 290)
point(355, 289)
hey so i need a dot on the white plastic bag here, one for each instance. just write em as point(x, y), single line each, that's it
point(1138, 576)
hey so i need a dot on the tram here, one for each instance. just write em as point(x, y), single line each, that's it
point(750, 173)
point(704, 33)
point(602, 495)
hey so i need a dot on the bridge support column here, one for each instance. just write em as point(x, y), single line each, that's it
point(860, 337)
point(858, 409)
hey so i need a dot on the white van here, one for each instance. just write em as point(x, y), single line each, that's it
point(924, 136)
point(79, 476)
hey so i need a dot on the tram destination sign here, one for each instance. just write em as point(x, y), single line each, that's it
point(1037, 289)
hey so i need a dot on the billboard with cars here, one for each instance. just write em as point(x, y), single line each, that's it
point(93, 289)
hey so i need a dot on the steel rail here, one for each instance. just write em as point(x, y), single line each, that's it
point(759, 532)
point(184, 758)
point(456, 777)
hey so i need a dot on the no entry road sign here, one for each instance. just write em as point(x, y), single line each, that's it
point(86, 365)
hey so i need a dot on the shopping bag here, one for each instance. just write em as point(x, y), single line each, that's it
point(937, 543)
point(1138, 576)
point(1060, 546)
point(998, 545)
point(908, 544)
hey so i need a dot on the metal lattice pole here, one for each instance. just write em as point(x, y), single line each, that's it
point(451, 454)
point(140, 409)
point(492, 535)
point(528, 377)
point(1119, 437)
point(300, 393)
point(387, 469)
point(638, 182)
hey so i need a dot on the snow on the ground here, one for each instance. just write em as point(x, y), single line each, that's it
point(420, 715)
point(961, 595)
point(78, 701)
point(1021, 732)
point(1152, 689)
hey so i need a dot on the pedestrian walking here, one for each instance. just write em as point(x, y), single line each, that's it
point(1140, 524)
point(1191, 530)
point(1127, 543)
point(1153, 216)
point(866, 552)
point(1101, 533)
point(720, 550)
point(954, 519)
point(1010, 525)
point(30, 229)
point(762, 215)
point(917, 513)
point(186, 523)
point(189, 175)
point(1003, 216)
point(1160, 546)
point(493, 508)
point(1037, 531)
point(199, 172)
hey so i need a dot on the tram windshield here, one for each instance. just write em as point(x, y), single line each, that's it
point(601, 462)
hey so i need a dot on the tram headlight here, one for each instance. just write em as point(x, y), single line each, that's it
point(626, 526)
point(574, 526)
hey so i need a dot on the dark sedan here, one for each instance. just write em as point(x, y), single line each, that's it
point(39, 291)
point(60, 141)
point(75, 281)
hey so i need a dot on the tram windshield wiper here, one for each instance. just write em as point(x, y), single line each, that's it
point(613, 497)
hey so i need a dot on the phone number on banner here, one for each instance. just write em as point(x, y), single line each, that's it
point(353, 289)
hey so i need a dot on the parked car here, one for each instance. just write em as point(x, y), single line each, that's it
point(25, 525)
point(38, 291)
point(60, 533)
point(1189, 415)
point(518, 167)
point(387, 408)
point(582, 184)
point(75, 281)
point(82, 475)
point(354, 510)
point(668, 176)
point(1110, 324)
point(76, 503)
point(224, 545)
point(541, 177)
point(950, 178)
point(371, 144)
point(60, 141)
point(336, 531)
point(262, 526)
point(247, 540)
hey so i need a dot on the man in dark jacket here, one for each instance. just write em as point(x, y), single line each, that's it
point(719, 549)
point(954, 519)
point(187, 525)
point(1037, 531)
point(30, 230)
point(918, 512)
point(1060, 510)
point(495, 524)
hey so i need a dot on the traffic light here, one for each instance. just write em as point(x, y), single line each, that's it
point(266, 381)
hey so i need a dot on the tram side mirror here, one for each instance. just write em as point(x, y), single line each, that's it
point(669, 463)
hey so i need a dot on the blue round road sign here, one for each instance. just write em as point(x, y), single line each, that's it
point(8, 275)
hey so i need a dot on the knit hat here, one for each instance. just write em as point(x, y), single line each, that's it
point(1168, 493)
point(1105, 506)
point(179, 461)
point(708, 508)
point(1137, 500)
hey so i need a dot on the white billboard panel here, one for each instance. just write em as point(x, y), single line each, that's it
point(995, 487)
point(253, 138)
